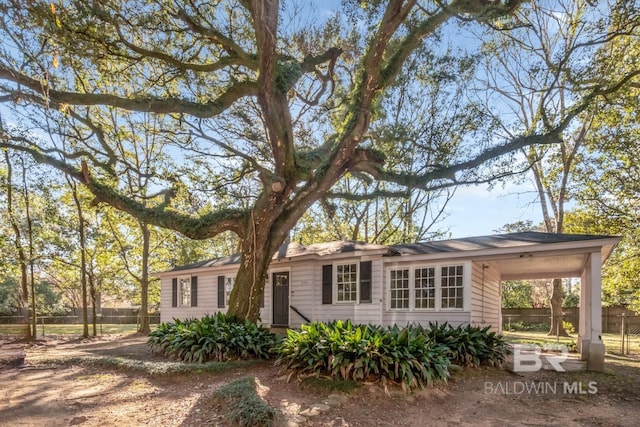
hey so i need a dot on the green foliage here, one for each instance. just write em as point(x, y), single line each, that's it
point(516, 294)
point(242, 406)
point(527, 327)
point(9, 296)
point(568, 327)
point(469, 345)
point(413, 356)
point(217, 337)
point(322, 384)
point(364, 352)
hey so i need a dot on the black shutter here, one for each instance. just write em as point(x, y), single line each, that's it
point(327, 284)
point(365, 281)
point(194, 291)
point(174, 292)
point(220, 291)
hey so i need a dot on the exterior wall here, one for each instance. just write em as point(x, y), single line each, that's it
point(485, 296)
point(207, 295)
point(402, 317)
point(305, 294)
point(357, 312)
point(301, 279)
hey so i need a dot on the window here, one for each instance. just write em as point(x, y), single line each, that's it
point(452, 286)
point(399, 289)
point(438, 287)
point(347, 282)
point(425, 287)
point(184, 290)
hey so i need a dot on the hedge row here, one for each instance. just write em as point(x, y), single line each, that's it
point(413, 356)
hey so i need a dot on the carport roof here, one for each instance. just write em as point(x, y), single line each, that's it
point(498, 241)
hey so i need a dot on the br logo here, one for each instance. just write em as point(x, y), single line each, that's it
point(529, 358)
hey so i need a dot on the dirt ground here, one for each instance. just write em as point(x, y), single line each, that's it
point(51, 391)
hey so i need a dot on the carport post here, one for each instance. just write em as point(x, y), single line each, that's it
point(590, 338)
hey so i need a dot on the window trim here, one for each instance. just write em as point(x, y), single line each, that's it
point(334, 277)
point(412, 267)
point(180, 291)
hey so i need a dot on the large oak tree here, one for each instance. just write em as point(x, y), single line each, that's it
point(270, 106)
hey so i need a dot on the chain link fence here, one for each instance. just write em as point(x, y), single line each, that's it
point(629, 335)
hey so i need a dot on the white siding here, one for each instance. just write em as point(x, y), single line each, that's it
point(207, 295)
point(305, 293)
point(485, 296)
point(356, 312)
point(207, 298)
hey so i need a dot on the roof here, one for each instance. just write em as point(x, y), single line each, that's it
point(498, 241)
point(479, 243)
point(293, 250)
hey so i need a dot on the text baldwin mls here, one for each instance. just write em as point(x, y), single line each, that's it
point(540, 387)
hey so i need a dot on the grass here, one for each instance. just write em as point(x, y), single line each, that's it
point(331, 384)
point(240, 404)
point(75, 329)
point(611, 341)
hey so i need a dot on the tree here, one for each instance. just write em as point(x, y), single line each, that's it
point(277, 109)
point(608, 202)
point(539, 78)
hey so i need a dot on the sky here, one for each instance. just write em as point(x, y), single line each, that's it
point(479, 210)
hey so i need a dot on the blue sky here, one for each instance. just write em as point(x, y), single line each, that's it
point(478, 210)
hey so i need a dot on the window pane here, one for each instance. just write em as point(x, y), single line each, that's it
point(185, 291)
point(347, 282)
point(425, 286)
point(399, 287)
point(452, 286)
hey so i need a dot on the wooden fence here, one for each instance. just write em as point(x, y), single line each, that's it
point(115, 316)
point(611, 317)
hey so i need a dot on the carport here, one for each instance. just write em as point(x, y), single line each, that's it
point(530, 255)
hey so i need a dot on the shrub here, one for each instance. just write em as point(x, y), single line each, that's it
point(364, 352)
point(213, 337)
point(242, 406)
point(469, 345)
point(527, 327)
point(568, 327)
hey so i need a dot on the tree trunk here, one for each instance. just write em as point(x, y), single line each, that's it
point(83, 260)
point(262, 241)
point(144, 327)
point(22, 258)
point(556, 310)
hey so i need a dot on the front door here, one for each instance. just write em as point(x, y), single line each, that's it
point(281, 299)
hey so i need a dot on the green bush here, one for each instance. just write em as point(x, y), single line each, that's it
point(568, 327)
point(527, 327)
point(364, 352)
point(216, 337)
point(469, 345)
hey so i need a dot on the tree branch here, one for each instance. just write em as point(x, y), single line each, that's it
point(202, 227)
point(147, 104)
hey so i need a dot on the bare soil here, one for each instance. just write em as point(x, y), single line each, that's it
point(52, 391)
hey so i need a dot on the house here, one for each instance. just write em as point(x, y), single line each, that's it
point(455, 281)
